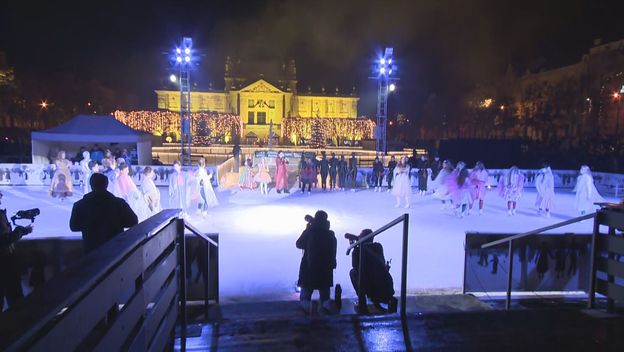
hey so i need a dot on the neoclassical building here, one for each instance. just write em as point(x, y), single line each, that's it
point(261, 95)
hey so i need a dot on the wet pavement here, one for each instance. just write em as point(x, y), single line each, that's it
point(550, 329)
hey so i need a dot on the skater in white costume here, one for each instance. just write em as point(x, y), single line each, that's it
point(402, 188)
point(545, 186)
point(586, 192)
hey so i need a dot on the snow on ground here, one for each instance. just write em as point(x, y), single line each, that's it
point(257, 233)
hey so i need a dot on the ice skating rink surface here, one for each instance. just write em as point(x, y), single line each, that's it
point(258, 258)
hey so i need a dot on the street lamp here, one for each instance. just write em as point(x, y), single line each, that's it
point(617, 97)
point(44, 104)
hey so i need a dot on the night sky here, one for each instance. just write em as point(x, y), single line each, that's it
point(442, 47)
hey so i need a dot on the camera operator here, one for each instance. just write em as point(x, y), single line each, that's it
point(10, 278)
point(318, 263)
point(377, 282)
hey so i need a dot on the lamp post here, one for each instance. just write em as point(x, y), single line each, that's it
point(385, 74)
point(617, 97)
point(183, 60)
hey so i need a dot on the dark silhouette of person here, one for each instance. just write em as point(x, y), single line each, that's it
point(333, 170)
point(353, 171)
point(377, 284)
point(10, 278)
point(236, 155)
point(391, 165)
point(99, 215)
point(378, 173)
point(318, 262)
point(573, 254)
point(494, 264)
point(542, 260)
point(324, 167)
point(483, 257)
point(560, 259)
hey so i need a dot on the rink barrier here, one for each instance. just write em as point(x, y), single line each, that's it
point(41, 175)
point(123, 296)
point(510, 242)
point(607, 268)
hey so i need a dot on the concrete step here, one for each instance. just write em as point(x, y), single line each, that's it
point(482, 330)
point(291, 308)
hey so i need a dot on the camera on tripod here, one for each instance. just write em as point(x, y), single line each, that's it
point(29, 214)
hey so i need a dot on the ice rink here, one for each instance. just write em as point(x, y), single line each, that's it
point(258, 258)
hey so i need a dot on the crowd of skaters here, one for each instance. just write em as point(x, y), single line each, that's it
point(459, 188)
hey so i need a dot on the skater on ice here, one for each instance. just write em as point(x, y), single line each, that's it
point(281, 173)
point(262, 177)
point(510, 187)
point(586, 192)
point(177, 187)
point(545, 187)
point(478, 178)
point(61, 185)
point(378, 174)
point(402, 189)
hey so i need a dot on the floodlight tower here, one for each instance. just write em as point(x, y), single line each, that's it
point(183, 60)
point(385, 74)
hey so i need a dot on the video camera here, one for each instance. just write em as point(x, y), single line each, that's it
point(351, 237)
point(29, 214)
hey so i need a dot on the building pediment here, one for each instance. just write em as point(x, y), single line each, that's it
point(261, 86)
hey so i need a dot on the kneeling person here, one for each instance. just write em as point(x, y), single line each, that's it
point(377, 284)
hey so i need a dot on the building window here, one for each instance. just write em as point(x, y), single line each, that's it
point(251, 103)
point(261, 118)
point(272, 104)
point(250, 117)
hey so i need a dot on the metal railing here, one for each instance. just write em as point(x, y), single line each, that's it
point(182, 225)
point(360, 242)
point(510, 241)
point(123, 296)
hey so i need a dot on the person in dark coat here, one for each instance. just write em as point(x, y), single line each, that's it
point(342, 173)
point(377, 284)
point(436, 167)
point(99, 215)
point(324, 166)
point(378, 172)
point(333, 170)
point(308, 175)
point(391, 165)
point(353, 171)
point(10, 275)
point(318, 262)
point(300, 167)
point(422, 165)
point(236, 154)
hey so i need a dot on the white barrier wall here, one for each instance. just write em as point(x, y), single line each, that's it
point(38, 175)
point(41, 175)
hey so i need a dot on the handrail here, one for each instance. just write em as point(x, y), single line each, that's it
point(376, 232)
point(361, 297)
point(540, 230)
point(183, 224)
point(510, 240)
point(198, 233)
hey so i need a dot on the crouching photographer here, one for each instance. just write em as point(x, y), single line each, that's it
point(376, 281)
point(10, 279)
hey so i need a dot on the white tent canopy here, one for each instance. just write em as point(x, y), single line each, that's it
point(86, 130)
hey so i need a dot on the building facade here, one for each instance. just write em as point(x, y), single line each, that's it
point(263, 103)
